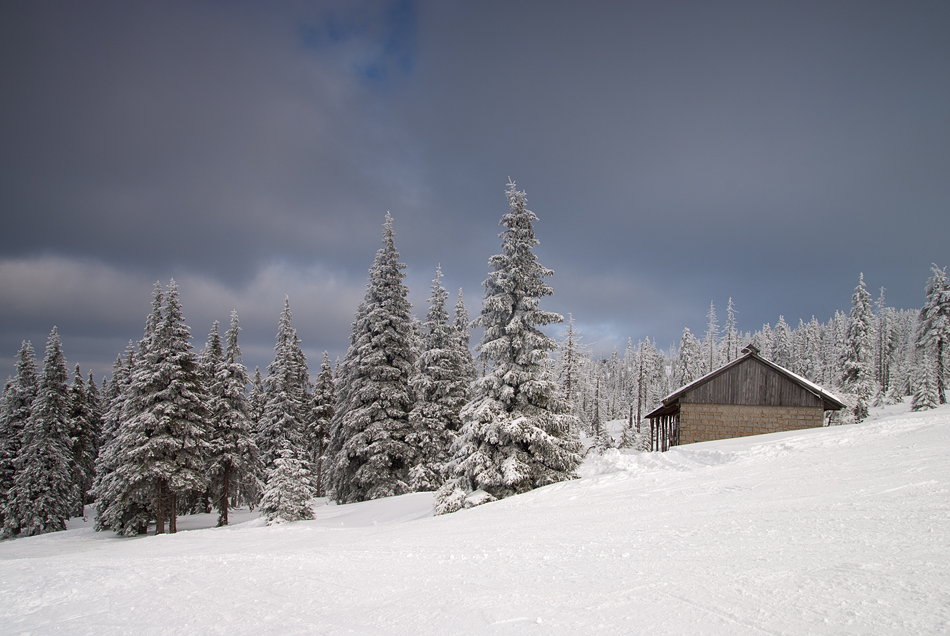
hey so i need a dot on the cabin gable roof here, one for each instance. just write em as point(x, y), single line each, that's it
point(750, 380)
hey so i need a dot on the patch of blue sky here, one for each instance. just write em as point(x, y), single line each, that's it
point(377, 43)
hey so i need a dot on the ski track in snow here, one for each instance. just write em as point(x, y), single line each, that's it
point(823, 531)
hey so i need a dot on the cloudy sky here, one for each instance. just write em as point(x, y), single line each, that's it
point(676, 153)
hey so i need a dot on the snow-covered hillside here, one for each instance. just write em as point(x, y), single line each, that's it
point(826, 531)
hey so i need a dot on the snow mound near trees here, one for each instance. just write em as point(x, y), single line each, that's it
point(826, 531)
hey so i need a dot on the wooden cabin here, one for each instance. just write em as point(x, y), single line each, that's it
point(748, 396)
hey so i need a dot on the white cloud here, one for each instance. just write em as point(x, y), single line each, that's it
point(98, 308)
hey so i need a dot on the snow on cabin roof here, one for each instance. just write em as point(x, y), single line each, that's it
point(752, 352)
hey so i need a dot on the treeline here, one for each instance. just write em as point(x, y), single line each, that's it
point(872, 356)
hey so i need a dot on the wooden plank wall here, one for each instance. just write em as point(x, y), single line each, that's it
point(751, 383)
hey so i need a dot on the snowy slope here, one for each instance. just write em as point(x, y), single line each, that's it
point(826, 531)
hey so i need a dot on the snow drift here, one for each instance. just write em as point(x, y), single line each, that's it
point(825, 531)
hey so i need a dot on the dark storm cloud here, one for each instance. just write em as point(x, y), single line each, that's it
point(676, 153)
point(765, 151)
point(187, 134)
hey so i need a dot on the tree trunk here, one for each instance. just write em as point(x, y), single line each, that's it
point(172, 513)
point(160, 508)
point(82, 499)
point(941, 389)
point(597, 411)
point(223, 501)
point(320, 451)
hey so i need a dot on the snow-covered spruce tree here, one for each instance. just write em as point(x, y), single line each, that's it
point(234, 462)
point(517, 433)
point(94, 400)
point(43, 492)
point(839, 347)
point(711, 353)
point(602, 438)
point(782, 344)
point(925, 395)
point(18, 396)
point(209, 361)
point(286, 405)
point(884, 346)
point(369, 455)
point(689, 361)
point(210, 358)
point(84, 436)
point(441, 390)
point(731, 337)
point(799, 343)
point(9, 444)
point(934, 330)
point(570, 366)
point(857, 363)
point(632, 435)
point(813, 352)
point(906, 355)
point(649, 380)
point(169, 431)
point(288, 491)
point(762, 340)
point(630, 362)
point(121, 503)
point(123, 495)
point(323, 405)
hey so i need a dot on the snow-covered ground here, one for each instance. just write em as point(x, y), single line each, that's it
point(825, 531)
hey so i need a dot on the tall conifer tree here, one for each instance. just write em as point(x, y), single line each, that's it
point(570, 364)
point(43, 491)
point(731, 337)
point(9, 444)
point(322, 409)
point(858, 358)
point(689, 364)
point(15, 409)
point(711, 355)
point(925, 395)
point(234, 459)
point(94, 398)
point(169, 429)
point(441, 389)
point(121, 498)
point(285, 410)
point(371, 456)
point(813, 355)
point(517, 433)
point(782, 344)
point(934, 330)
point(124, 496)
point(84, 433)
